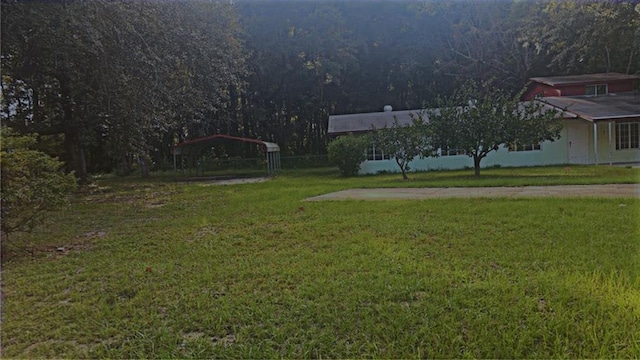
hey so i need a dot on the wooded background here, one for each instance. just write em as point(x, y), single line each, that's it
point(109, 84)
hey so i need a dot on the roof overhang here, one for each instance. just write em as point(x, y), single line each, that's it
point(599, 108)
point(584, 79)
point(207, 141)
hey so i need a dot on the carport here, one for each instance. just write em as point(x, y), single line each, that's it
point(197, 146)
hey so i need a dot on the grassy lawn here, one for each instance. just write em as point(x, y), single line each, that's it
point(159, 269)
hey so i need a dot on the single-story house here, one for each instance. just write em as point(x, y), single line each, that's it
point(600, 127)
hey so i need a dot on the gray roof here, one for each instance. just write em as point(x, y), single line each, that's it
point(364, 122)
point(594, 108)
point(584, 79)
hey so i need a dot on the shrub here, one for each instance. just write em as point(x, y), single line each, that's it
point(32, 182)
point(348, 152)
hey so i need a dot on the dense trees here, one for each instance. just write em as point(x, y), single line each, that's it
point(587, 36)
point(108, 85)
point(120, 81)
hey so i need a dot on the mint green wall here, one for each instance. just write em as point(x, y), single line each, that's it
point(551, 153)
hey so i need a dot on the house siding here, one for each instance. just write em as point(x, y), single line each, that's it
point(537, 89)
point(551, 153)
point(558, 152)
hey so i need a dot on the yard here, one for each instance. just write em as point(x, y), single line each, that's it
point(161, 269)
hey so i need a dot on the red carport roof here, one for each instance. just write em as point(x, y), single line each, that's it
point(211, 140)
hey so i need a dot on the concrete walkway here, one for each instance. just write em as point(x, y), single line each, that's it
point(561, 191)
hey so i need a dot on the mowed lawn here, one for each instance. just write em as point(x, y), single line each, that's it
point(163, 269)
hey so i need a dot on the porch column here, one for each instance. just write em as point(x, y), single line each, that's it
point(610, 149)
point(595, 141)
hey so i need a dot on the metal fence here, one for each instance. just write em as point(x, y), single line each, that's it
point(206, 166)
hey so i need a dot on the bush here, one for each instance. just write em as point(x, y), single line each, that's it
point(32, 182)
point(348, 152)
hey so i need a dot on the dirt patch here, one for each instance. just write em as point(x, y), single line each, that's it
point(236, 181)
point(224, 341)
point(560, 191)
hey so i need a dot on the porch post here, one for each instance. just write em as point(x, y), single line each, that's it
point(595, 141)
point(610, 149)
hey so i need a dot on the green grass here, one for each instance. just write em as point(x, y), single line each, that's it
point(158, 268)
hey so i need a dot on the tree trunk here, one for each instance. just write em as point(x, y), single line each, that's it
point(403, 169)
point(476, 165)
point(83, 166)
point(630, 61)
point(144, 165)
point(75, 159)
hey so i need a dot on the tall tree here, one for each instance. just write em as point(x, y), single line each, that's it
point(483, 41)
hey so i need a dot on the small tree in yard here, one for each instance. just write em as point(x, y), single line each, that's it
point(404, 142)
point(348, 152)
point(32, 182)
point(478, 118)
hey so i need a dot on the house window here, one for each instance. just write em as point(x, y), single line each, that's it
point(524, 147)
point(375, 154)
point(599, 89)
point(627, 135)
point(451, 152)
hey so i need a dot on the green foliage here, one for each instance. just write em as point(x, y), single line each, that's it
point(479, 118)
point(404, 142)
point(348, 152)
point(608, 40)
point(121, 80)
point(32, 182)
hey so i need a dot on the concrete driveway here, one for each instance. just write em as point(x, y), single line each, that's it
point(560, 191)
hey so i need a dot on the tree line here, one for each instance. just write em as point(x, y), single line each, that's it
point(111, 85)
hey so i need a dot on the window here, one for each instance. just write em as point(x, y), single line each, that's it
point(451, 152)
point(524, 147)
point(599, 89)
point(628, 135)
point(375, 154)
